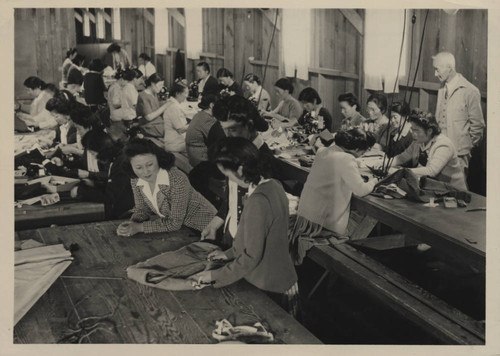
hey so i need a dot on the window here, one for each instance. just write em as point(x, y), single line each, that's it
point(194, 32)
point(161, 31)
point(86, 24)
point(100, 25)
point(116, 24)
point(296, 29)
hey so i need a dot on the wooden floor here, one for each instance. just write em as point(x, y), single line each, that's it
point(94, 302)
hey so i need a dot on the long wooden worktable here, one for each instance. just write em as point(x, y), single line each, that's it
point(95, 293)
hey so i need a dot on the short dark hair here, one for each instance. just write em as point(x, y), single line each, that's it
point(252, 78)
point(177, 88)
point(34, 83)
point(241, 110)
point(401, 108)
point(62, 103)
point(285, 84)
point(153, 78)
point(137, 72)
point(145, 56)
point(114, 47)
point(82, 115)
point(355, 139)
point(223, 72)
point(205, 66)
point(233, 152)
point(426, 121)
point(70, 52)
point(350, 99)
point(129, 75)
point(380, 100)
point(206, 100)
point(79, 59)
point(142, 146)
point(99, 141)
point(309, 95)
point(96, 65)
point(52, 87)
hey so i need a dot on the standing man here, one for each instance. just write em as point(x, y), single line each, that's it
point(207, 83)
point(458, 109)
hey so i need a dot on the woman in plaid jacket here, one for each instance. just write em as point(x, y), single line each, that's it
point(164, 199)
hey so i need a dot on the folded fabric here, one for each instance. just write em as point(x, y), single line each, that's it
point(35, 270)
point(255, 334)
point(171, 269)
point(27, 191)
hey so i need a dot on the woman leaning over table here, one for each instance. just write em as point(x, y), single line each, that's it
point(288, 111)
point(164, 199)
point(175, 120)
point(35, 114)
point(432, 153)
point(258, 93)
point(324, 204)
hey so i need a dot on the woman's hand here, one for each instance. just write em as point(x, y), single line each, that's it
point(83, 174)
point(50, 188)
point(57, 161)
point(129, 228)
point(217, 255)
point(70, 149)
point(202, 279)
point(74, 192)
point(210, 230)
point(88, 182)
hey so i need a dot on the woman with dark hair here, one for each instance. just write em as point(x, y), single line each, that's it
point(377, 122)
point(93, 84)
point(120, 57)
point(350, 108)
point(164, 199)
point(145, 66)
point(400, 135)
point(115, 192)
point(139, 80)
point(67, 65)
point(227, 82)
point(151, 113)
point(432, 153)
point(60, 108)
point(75, 80)
point(259, 253)
point(314, 110)
point(259, 96)
point(128, 96)
point(288, 111)
point(35, 114)
point(175, 120)
point(203, 131)
point(324, 204)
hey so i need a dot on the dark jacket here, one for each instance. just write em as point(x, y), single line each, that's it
point(211, 86)
point(94, 88)
point(116, 195)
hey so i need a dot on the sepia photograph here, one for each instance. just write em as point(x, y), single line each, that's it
point(245, 175)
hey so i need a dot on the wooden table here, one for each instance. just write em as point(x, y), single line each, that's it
point(95, 285)
point(62, 213)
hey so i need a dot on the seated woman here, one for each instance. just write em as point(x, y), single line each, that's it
point(377, 122)
point(164, 199)
point(35, 114)
point(203, 131)
point(75, 81)
point(259, 96)
point(139, 80)
point(260, 251)
point(119, 57)
point(313, 109)
point(228, 85)
point(151, 112)
point(175, 120)
point(432, 153)
point(115, 192)
point(288, 111)
point(60, 107)
point(67, 65)
point(324, 204)
point(145, 66)
point(93, 84)
point(400, 136)
point(350, 108)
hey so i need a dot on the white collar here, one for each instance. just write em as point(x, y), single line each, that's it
point(252, 187)
point(429, 144)
point(161, 178)
point(258, 142)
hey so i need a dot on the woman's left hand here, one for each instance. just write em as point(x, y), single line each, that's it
point(74, 192)
point(129, 228)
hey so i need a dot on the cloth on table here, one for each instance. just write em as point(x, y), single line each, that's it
point(42, 138)
point(304, 234)
point(170, 270)
point(417, 190)
point(35, 270)
point(27, 191)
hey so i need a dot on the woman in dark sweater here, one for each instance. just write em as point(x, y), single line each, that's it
point(400, 136)
point(93, 85)
point(260, 249)
point(116, 193)
point(227, 82)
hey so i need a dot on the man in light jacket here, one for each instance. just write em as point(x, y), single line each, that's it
point(458, 109)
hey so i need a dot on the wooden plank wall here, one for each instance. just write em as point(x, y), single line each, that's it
point(466, 36)
point(137, 32)
point(42, 37)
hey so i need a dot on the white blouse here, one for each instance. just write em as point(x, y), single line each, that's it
point(161, 178)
